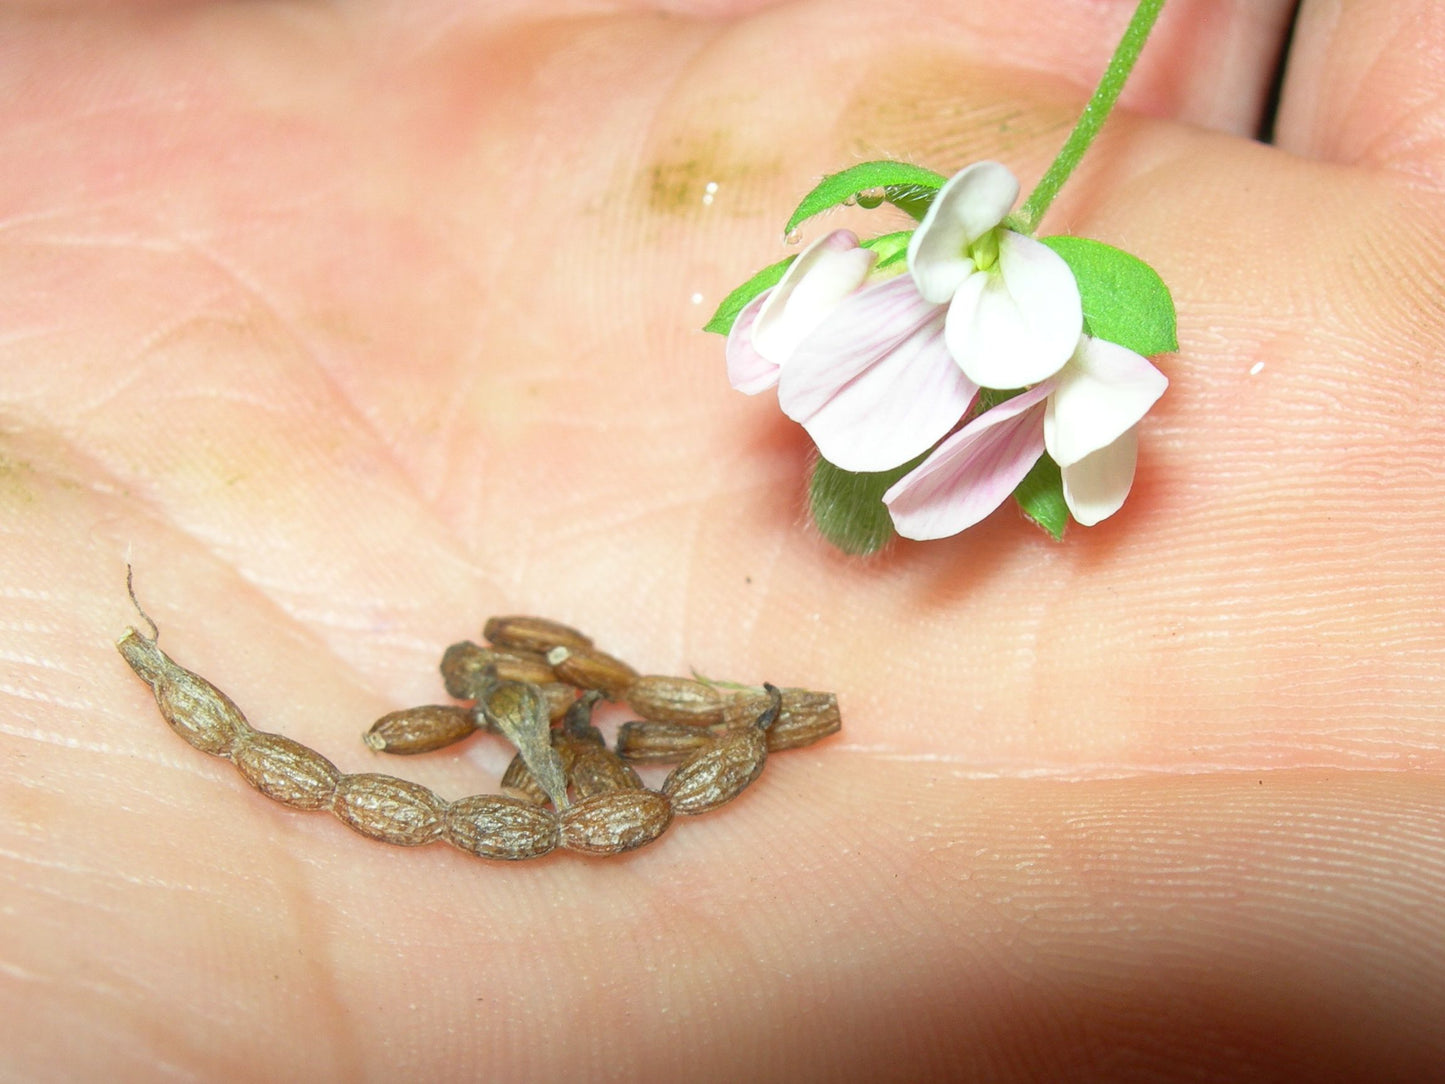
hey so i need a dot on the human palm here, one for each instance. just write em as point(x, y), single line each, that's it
point(351, 326)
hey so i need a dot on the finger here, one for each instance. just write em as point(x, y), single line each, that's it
point(1363, 85)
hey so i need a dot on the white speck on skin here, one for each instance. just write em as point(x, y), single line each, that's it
point(1256, 368)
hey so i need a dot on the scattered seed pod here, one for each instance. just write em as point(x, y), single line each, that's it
point(676, 700)
point(465, 665)
point(287, 771)
point(492, 826)
point(718, 773)
point(392, 810)
point(533, 634)
point(660, 743)
point(588, 668)
point(618, 821)
point(194, 708)
point(420, 730)
point(559, 698)
point(805, 717)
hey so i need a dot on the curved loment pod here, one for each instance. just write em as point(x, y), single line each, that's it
point(287, 771)
point(493, 826)
point(392, 810)
point(194, 708)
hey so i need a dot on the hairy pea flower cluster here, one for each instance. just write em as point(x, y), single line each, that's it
point(974, 351)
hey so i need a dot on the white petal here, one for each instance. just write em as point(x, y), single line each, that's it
point(973, 202)
point(827, 271)
point(1017, 323)
point(972, 472)
point(875, 385)
point(1103, 391)
point(1095, 486)
point(748, 371)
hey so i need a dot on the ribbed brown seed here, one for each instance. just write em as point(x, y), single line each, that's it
point(659, 743)
point(464, 667)
point(533, 634)
point(588, 668)
point(806, 717)
point(193, 707)
point(718, 774)
point(492, 826)
point(420, 730)
point(389, 809)
point(618, 821)
point(598, 770)
point(287, 771)
point(675, 700)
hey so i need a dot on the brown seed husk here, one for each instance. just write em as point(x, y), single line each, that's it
point(389, 809)
point(519, 711)
point(716, 775)
point(559, 698)
point(493, 826)
point(532, 634)
point(621, 820)
point(194, 708)
point(420, 730)
point(660, 743)
point(676, 700)
point(519, 782)
point(598, 770)
point(588, 668)
point(287, 771)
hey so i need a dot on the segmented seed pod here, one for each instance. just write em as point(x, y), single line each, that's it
point(588, 668)
point(493, 826)
point(805, 716)
point(389, 809)
point(194, 708)
point(420, 730)
point(660, 743)
point(287, 771)
point(719, 773)
point(675, 700)
point(533, 634)
point(618, 821)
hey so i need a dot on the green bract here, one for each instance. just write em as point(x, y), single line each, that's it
point(910, 188)
point(1041, 497)
point(848, 508)
point(1125, 300)
point(735, 302)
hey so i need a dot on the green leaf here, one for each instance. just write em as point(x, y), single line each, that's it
point(910, 188)
point(1125, 300)
point(735, 302)
point(1041, 497)
point(848, 507)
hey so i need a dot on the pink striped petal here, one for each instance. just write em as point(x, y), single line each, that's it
point(872, 403)
point(972, 472)
point(1017, 323)
point(748, 371)
point(973, 202)
point(1095, 486)
point(1103, 392)
point(826, 272)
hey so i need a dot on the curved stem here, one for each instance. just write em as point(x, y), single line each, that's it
point(1027, 218)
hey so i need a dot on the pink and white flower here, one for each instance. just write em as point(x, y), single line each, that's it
point(1014, 313)
point(864, 369)
point(1086, 417)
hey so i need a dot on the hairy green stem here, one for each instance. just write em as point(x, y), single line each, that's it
point(1028, 217)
